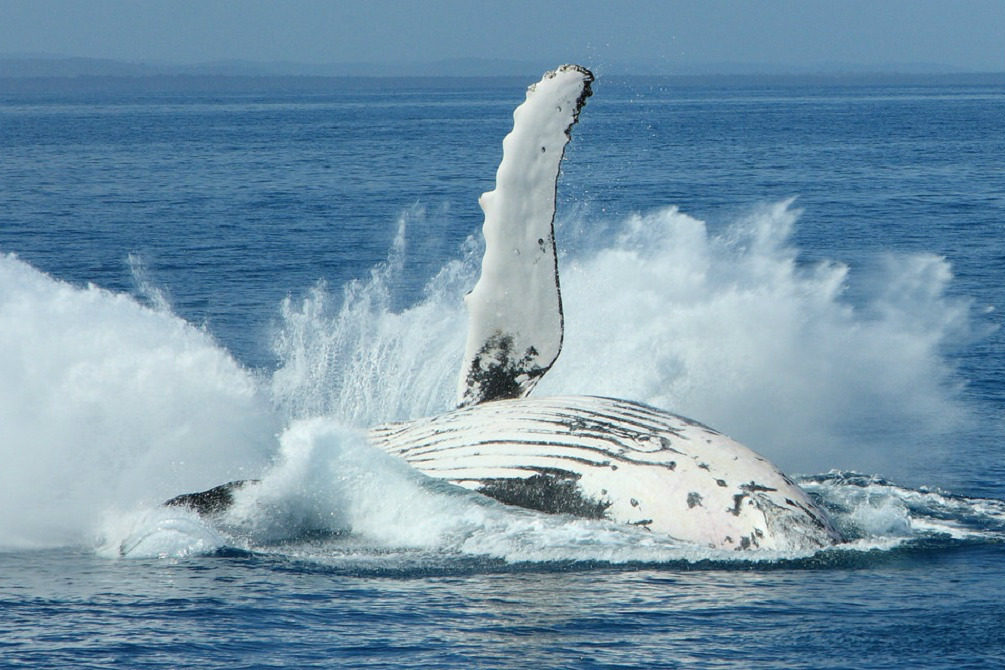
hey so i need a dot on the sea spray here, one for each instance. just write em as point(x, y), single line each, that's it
point(154, 296)
point(110, 407)
point(108, 404)
point(327, 481)
point(355, 358)
point(731, 329)
point(735, 331)
point(869, 508)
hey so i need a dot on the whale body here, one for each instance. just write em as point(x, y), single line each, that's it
point(614, 459)
point(585, 456)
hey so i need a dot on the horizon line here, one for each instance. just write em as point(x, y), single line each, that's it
point(40, 65)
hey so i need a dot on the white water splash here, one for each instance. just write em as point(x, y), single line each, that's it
point(108, 407)
point(364, 363)
point(106, 403)
point(731, 330)
point(870, 509)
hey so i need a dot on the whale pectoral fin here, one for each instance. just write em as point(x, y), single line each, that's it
point(515, 322)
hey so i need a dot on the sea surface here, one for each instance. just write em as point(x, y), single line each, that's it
point(202, 285)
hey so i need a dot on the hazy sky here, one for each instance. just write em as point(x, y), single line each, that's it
point(969, 34)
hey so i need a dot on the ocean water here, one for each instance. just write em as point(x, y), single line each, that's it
point(197, 287)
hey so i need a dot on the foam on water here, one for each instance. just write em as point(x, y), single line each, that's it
point(109, 406)
point(869, 509)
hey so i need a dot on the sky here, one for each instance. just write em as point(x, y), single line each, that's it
point(964, 34)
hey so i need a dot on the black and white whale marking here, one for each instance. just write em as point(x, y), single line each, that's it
point(614, 459)
point(586, 456)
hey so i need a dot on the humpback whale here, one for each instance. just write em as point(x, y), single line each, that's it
point(586, 456)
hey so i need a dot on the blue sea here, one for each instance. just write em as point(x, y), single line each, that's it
point(204, 280)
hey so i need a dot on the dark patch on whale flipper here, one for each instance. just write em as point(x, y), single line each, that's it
point(552, 493)
point(499, 374)
point(213, 501)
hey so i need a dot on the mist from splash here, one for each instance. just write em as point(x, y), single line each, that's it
point(106, 403)
point(730, 329)
point(355, 358)
point(733, 330)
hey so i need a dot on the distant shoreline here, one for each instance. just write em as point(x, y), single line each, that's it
point(49, 66)
point(295, 84)
point(183, 83)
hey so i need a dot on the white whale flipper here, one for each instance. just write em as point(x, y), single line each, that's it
point(515, 309)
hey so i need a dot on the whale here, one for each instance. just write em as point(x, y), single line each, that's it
point(582, 456)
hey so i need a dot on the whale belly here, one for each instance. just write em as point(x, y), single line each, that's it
point(618, 460)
